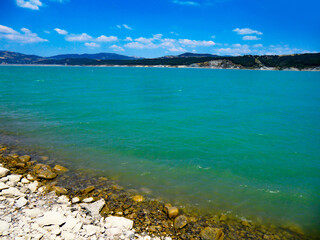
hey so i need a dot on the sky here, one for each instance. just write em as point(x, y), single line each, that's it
point(154, 28)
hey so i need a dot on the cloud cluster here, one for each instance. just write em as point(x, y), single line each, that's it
point(250, 38)
point(24, 36)
point(31, 4)
point(61, 31)
point(188, 3)
point(246, 31)
point(169, 44)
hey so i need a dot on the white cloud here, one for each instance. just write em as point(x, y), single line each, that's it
point(25, 37)
point(157, 36)
point(31, 4)
point(47, 32)
point(213, 36)
point(4, 29)
point(188, 3)
point(244, 31)
point(177, 49)
point(118, 26)
point(117, 48)
point(92, 45)
point(235, 50)
point(257, 45)
point(61, 31)
point(195, 43)
point(250, 38)
point(128, 39)
point(104, 38)
point(126, 26)
point(139, 45)
point(78, 37)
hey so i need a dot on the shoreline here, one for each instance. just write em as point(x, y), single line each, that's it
point(161, 66)
point(149, 216)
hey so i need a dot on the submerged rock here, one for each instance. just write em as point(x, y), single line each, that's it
point(138, 198)
point(88, 190)
point(209, 233)
point(172, 211)
point(180, 222)
point(59, 168)
point(59, 190)
point(44, 171)
point(25, 158)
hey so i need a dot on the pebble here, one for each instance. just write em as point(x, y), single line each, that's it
point(4, 172)
point(88, 200)
point(21, 202)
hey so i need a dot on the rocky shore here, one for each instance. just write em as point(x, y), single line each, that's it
point(39, 201)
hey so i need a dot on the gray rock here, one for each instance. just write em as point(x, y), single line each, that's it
point(94, 208)
point(4, 172)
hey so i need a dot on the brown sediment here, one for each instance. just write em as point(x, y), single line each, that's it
point(150, 216)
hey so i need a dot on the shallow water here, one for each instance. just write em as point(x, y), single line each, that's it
point(220, 140)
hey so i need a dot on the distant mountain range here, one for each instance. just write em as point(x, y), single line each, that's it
point(310, 61)
point(96, 56)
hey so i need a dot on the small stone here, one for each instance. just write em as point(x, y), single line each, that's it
point(31, 177)
point(3, 186)
point(75, 200)
point(88, 190)
point(4, 227)
point(71, 222)
point(11, 192)
point(4, 172)
point(138, 198)
point(88, 200)
point(59, 168)
point(172, 212)
point(67, 235)
point(180, 222)
point(21, 202)
point(63, 199)
point(33, 186)
point(118, 222)
point(25, 181)
point(4, 179)
point(209, 233)
point(51, 218)
point(59, 190)
point(25, 158)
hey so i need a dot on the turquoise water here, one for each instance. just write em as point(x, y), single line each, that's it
point(247, 142)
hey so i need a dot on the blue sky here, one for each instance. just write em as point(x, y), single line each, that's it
point(153, 28)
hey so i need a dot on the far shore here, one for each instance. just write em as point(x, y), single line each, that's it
point(162, 66)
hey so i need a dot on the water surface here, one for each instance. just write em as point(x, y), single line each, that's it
point(247, 142)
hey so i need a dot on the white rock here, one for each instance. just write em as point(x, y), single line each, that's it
point(4, 227)
point(77, 227)
point(11, 192)
point(1, 165)
point(51, 218)
point(95, 207)
point(3, 186)
point(4, 172)
point(4, 179)
point(63, 199)
point(71, 222)
point(75, 200)
point(21, 202)
point(33, 186)
point(88, 200)
point(14, 178)
point(33, 213)
point(37, 236)
point(91, 229)
point(129, 235)
point(25, 181)
point(118, 222)
point(68, 235)
point(113, 232)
